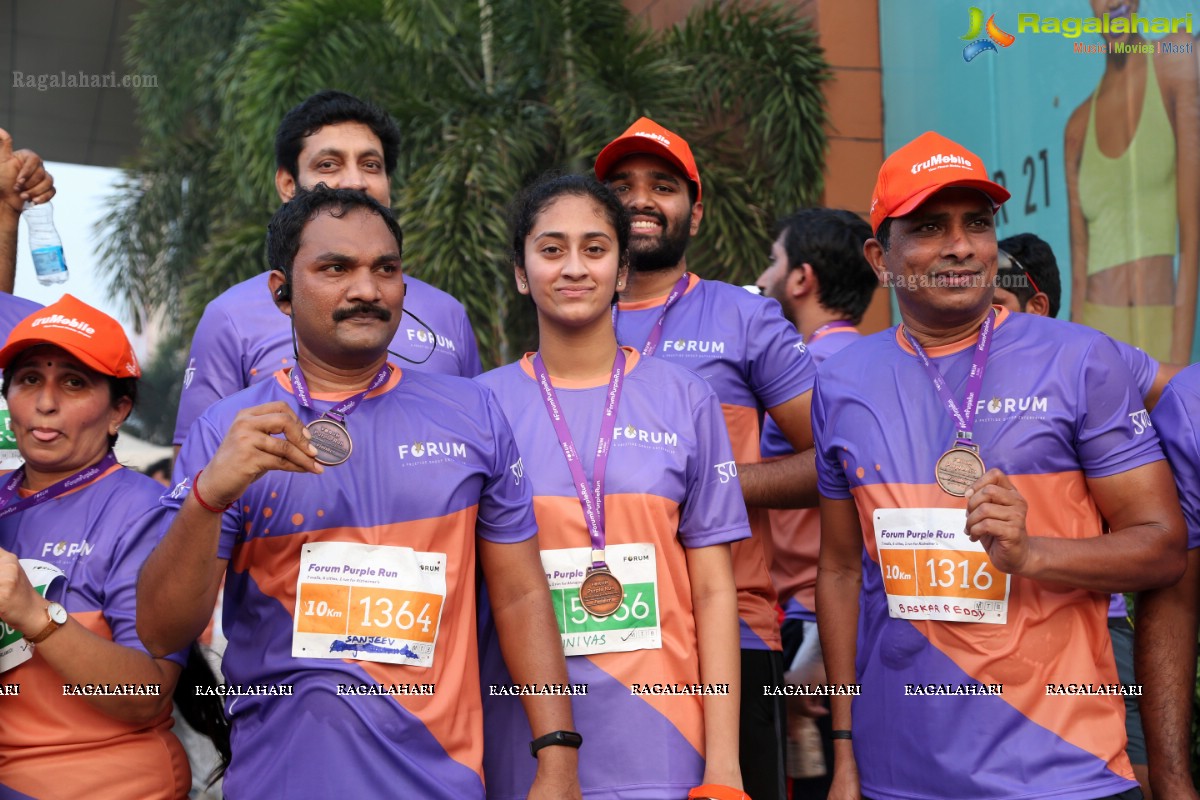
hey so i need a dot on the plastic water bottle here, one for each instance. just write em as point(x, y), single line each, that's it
point(45, 245)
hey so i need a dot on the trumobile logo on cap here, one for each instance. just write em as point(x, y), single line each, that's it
point(658, 137)
point(938, 161)
point(66, 323)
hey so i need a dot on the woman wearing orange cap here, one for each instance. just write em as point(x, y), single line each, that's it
point(88, 711)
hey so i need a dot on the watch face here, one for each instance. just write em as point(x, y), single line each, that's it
point(57, 613)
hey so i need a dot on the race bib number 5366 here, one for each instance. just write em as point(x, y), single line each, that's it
point(633, 626)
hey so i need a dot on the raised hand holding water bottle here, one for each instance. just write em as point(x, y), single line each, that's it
point(23, 179)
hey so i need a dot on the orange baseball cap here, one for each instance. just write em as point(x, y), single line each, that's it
point(89, 334)
point(647, 136)
point(927, 164)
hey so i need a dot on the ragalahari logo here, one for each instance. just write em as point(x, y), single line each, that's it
point(995, 36)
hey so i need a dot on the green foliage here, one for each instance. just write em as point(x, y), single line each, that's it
point(153, 419)
point(488, 95)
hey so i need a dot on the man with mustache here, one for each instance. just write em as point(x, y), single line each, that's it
point(344, 142)
point(968, 460)
point(345, 501)
point(755, 361)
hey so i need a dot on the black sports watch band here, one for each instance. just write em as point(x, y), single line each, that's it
point(564, 738)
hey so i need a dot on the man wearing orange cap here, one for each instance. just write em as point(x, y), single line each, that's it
point(967, 461)
point(755, 361)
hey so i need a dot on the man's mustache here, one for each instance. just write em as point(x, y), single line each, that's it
point(361, 309)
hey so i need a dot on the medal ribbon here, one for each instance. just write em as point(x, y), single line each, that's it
point(12, 486)
point(964, 417)
point(656, 333)
point(829, 326)
point(591, 494)
point(342, 410)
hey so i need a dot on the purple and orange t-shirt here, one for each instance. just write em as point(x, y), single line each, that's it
point(668, 486)
point(433, 466)
point(754, 360)
point(54, 745)
point(242, 338)
point(1058, 406)
point(796, 532)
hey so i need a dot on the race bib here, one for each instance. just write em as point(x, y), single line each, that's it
point(368, 602)
point(14, 650)
point(10, 456)
point(931, 570)
point(633, 626)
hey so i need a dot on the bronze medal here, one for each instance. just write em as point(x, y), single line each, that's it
point(601, 593)
point(957, 470)
point(332, 441)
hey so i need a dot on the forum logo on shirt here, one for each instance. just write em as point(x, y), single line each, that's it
point(996, 409)
point(426, 337)
point(65, 549)
point(431, 452)
point(645, 436)
point(693, 346)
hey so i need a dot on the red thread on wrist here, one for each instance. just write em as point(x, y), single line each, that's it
point(200, 500)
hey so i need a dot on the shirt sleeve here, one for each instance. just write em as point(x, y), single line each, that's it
point(199, 446)
point(831, 478)
point(506, 502)
point(1173, 420)
point(469, 362)
point(1141, 365)
point(780, 366)
point(713, 511)
point(1113, 432)
point(139, 534)
point(215, 368)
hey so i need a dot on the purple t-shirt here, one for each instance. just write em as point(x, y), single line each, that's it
point(1058, 406)
point(99, 535)
point(796, 532)
point(243, 338)
point(433, 466)
point(665, 487)
point(1174, 420)
point(13, 309)
point(753, 359)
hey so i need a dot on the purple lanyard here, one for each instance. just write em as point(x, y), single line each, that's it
point(964, 417)
point(591, 495)
point(656, 332)
point(12, 487)
point(343, 409)
point(829, 326)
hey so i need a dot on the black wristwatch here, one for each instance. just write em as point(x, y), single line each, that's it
point(564, 738)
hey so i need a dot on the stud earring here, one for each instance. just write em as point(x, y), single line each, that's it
point(522, 284)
